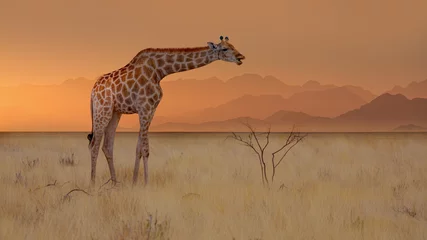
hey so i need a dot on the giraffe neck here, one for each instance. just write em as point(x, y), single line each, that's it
point(167, 61)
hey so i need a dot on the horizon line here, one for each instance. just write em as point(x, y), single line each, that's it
point(214, 132)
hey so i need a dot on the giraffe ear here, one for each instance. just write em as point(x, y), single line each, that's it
point(212, 46)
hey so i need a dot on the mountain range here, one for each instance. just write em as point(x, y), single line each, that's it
point(215, 105)
point(384, 113)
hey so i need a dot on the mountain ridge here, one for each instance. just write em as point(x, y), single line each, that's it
point(311, 98)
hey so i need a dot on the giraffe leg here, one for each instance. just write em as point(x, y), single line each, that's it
point(142, 150)
point(145, 154)
point(94, 151)
point(98, 133)
point(108, 145)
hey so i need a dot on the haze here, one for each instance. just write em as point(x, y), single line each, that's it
point(374, 44)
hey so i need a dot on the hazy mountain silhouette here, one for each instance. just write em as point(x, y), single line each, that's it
point(412, 90)
point(381, 114)
point(292, 117)
point(66, 105)
point(330, 102)
point(388, 107)
point(200, 94)
point(196, 95)
point(366, 95)
point(410, 128)
point(244, 106)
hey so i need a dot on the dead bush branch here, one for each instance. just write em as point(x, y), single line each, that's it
point(104, 184)
point(48, 185)
point(67, 196)
point(293, 139)
point(253, 141)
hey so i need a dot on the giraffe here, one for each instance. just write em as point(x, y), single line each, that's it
point(135, 88)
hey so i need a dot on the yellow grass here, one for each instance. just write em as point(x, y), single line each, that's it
point(335, 186)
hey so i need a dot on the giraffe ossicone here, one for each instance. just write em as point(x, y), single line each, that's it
point(135, 88)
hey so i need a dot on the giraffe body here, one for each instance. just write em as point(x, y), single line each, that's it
point(135, 88)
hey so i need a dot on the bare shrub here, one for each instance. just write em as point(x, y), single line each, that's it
point(254, 142)
point(68, 161)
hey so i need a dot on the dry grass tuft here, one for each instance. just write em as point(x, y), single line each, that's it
point(337, 186)
point(30, 164)
point(68, 161)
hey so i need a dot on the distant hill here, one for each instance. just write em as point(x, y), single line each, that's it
point(412, 90)
point(292, 117)
point(388, 107)
point(283, 116)
point(409, 128)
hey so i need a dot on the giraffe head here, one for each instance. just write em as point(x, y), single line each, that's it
point(226, 51)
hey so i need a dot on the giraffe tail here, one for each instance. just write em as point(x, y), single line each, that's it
point(90, 135)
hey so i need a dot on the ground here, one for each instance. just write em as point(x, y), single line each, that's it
point(204, 186)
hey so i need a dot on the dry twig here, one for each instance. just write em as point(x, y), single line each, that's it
point(48, 185)
point(67, 196)
point(292, 140)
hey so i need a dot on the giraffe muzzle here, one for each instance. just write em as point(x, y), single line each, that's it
point(239, 59)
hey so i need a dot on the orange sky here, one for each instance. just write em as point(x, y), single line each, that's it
point(331, 41)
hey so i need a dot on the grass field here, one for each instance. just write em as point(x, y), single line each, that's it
point(201, 186)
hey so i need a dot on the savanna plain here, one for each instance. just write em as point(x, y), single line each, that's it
point(208, 186)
